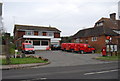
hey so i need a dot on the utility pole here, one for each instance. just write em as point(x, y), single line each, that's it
point(7, 40)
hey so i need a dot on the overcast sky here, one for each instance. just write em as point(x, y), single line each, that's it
point(69, 16)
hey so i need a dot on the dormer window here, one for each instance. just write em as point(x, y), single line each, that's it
point(99, 23)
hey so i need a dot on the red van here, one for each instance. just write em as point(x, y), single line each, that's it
point(70, 46)
point(83, 48)
point(27, 48)
point(63, 46)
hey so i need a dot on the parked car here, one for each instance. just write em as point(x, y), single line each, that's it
point(70, 47)
point(55, 47)
point(27, 48)
point(83, 48)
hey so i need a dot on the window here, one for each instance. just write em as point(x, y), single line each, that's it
point(36, 42)
point(29, 33)
point(44, 33)
point(45, 43)
point(94, 38)
point(35, 32)
point(55, 43)
point(40, 33)
point(50, 34)
point(77, 40)
point(28, 46)
point(99, 24)
point(81, 40)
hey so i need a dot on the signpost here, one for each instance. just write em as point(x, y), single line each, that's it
point(110, 47)
point(16, 51)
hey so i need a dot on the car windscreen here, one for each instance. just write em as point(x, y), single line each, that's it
point(56, 45)
point(29, 46)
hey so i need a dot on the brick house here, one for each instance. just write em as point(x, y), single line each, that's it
point(96, 36)
point(41, 37)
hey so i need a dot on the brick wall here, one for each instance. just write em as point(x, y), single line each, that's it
point(97, 44)
point(100, 41)
point(20, 33)
point(56, 35)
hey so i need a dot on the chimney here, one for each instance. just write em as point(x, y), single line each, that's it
point(113, 16)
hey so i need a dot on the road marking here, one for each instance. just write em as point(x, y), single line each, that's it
point(43, 78)
point(91, 73)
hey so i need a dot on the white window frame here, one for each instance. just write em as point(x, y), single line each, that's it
point(26, 33)
point(77, 40)
point(94, 38)
point(40, 33)
point(36, 40)
point(48, 33)
point(100, 24)
point(44, 40)
point(81, 40)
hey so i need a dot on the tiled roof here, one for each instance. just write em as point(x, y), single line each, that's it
point(36, 28)
point(109, 23)
point(95, 31)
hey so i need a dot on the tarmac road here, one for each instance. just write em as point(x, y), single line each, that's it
point(61, 58)
point(90, 71)
point(65, 65)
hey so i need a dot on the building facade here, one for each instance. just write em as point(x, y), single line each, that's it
point(96, 36)
point(41, 37)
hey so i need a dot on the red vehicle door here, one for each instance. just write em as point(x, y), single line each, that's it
point(76, 47)
point(63, 46)
point(67, 46)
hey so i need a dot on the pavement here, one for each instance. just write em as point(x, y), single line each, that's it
point(21, 66)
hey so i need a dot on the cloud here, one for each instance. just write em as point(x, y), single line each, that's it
point(68, 15)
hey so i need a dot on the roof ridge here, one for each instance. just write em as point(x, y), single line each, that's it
point(34, 26)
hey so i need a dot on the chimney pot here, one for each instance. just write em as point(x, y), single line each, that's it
point(113, 16)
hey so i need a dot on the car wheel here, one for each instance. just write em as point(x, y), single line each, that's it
point(72, 51)
point(93, 51)
point(82, 52)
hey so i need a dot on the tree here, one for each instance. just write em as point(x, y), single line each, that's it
point(7, 43)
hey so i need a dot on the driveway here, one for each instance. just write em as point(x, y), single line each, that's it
point(61, 58)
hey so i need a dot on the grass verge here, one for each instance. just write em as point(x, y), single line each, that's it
point(24, 61)
point(109, 58)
